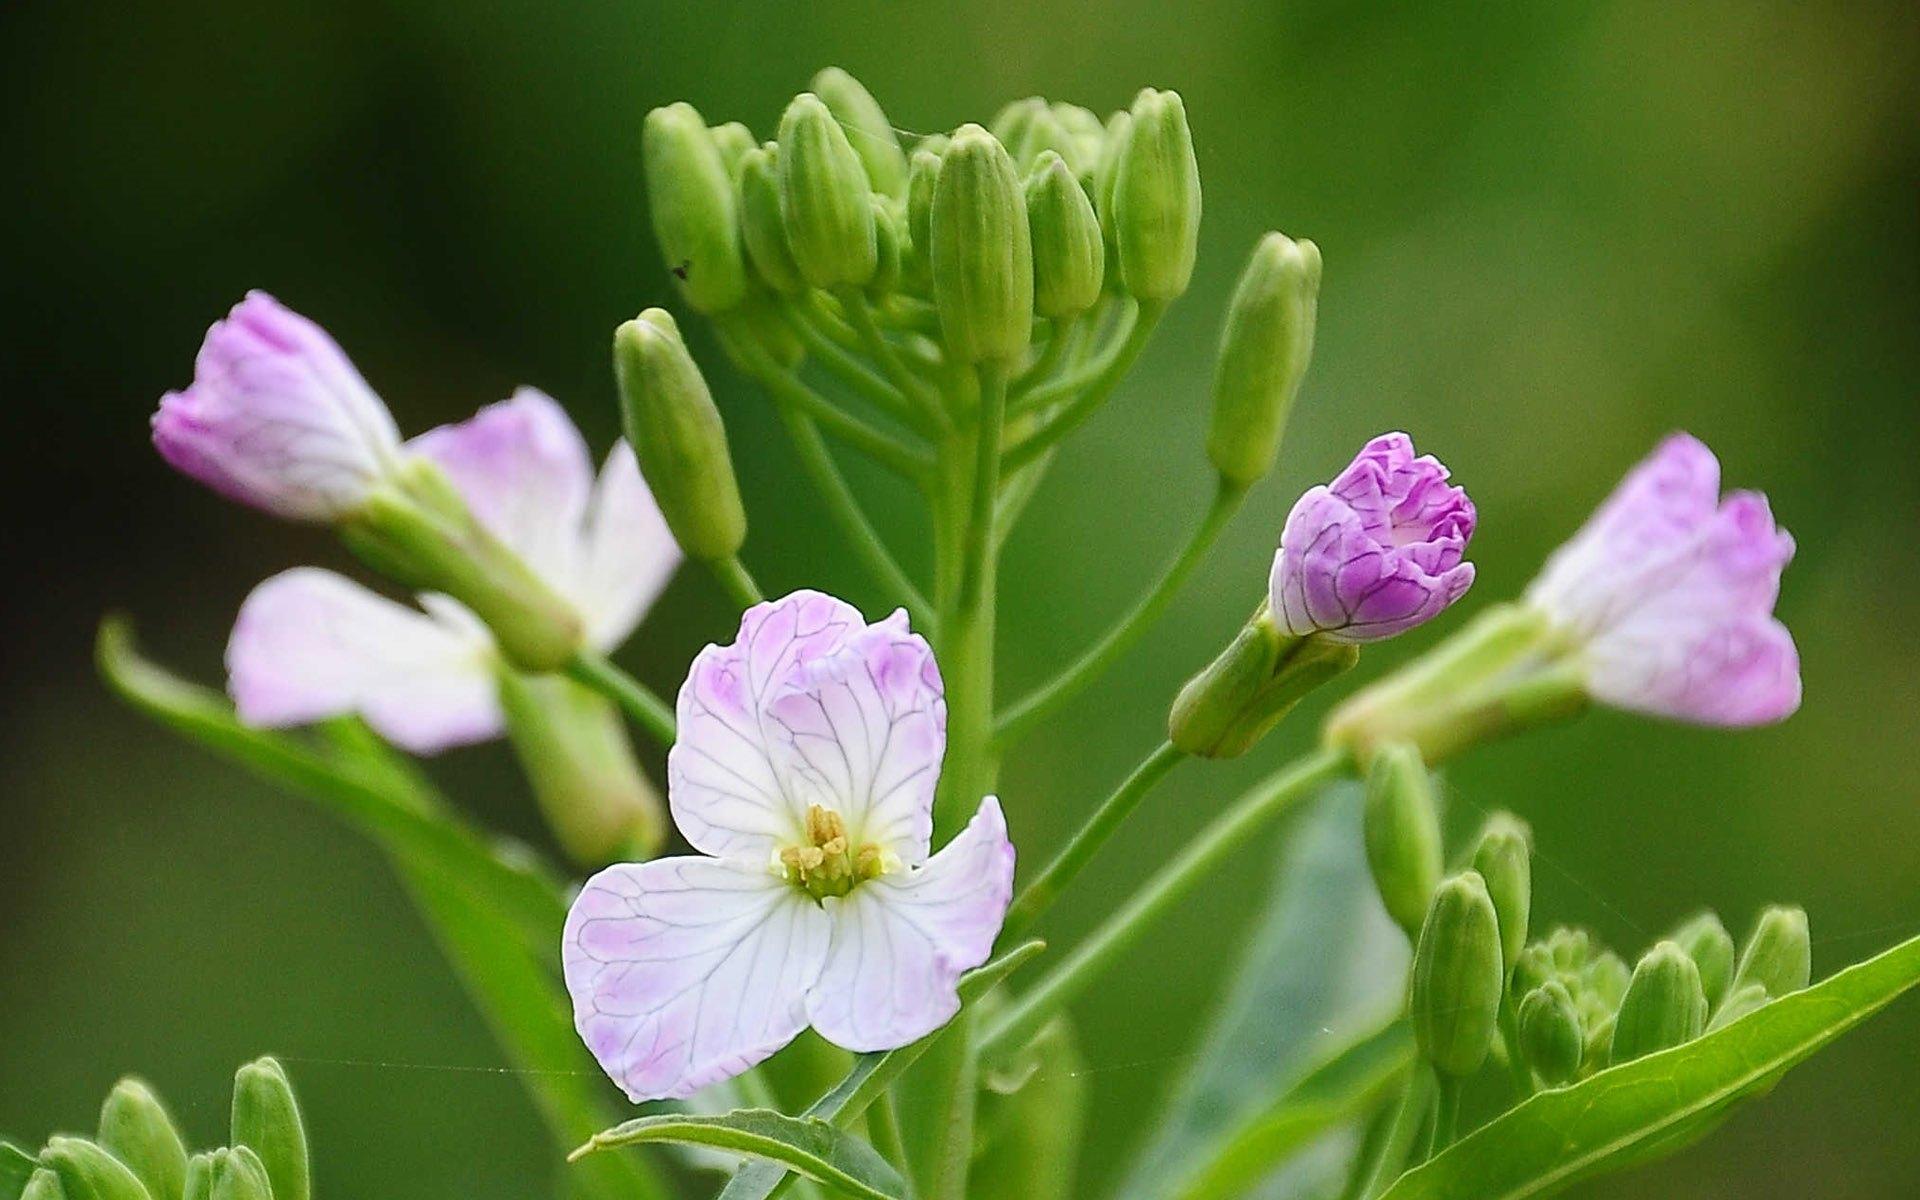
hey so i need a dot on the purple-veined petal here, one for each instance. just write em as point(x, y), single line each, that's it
point(523, 470)
point(728, 796)
point(1376, 552)
point(628, 554)
point(687, 971)
point(902, 941)
point(310, 644)
point(862, 731)
point(277, 417)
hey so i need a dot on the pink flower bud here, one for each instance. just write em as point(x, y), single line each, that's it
point(1376, 552)
point(277, 417)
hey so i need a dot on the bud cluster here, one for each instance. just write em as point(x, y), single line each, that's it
point(139, 1154)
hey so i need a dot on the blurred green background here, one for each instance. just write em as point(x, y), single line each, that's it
point(1552, 233)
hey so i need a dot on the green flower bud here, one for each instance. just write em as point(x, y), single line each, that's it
point(761, 226)
point(89, 1173)
point(1264, 349)
point(239, 1174)
point(1456, 976)
point(1156, 199)
point(889, 237)
point(266, 1122)
point(982, 251)
point(416, 529)
point(1740, 1002)
point(733, 140)
point(759, 322)
point(934, 143)
point(1087, 138)
point(1707, 942)
point(1778, 954)
point(923, 175)
point(1042, 134)
point(1534, 968)
point(43, 1185)
point(1241, 695)
point(824, 197)
point(1011, 123)
point(872, 135)
point(691, 197)
point(1606, 976)
point(136, 1129)
point(200, 1177)
point(1402, 828)
point(677, 434)
point(1551, 1040)
point(1069, 257)
point(573, 745)
point(1664, 1005)
point(1503, 857)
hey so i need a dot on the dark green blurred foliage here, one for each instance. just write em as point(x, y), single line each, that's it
point(1551, 233)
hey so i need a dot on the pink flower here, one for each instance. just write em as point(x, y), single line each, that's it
point(804, 773)
point(1669, 591)
point(310, 644)
point(277, 417)
point(1376, 552)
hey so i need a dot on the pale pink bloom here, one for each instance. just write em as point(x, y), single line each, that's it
point(1669, 590)
point(310, 644)
point(277, 417)
point(1377, 551)
point(804, 773)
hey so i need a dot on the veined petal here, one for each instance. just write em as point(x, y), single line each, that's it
point(310, 644)
point(862, 731)
point(687, 971)
point(628, 553)
point(523, 470)
point(727, 795)
point(277, 417)
point(902, 941)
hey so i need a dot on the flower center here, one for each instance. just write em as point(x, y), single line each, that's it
point(827, 864)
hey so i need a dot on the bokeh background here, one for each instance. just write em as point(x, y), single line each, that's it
point(1552, 232)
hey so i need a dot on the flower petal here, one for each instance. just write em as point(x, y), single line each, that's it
point(727, 795)
point(277, 417)
point(687, 971)
point(310, 644)
point(628, 556)
point(902, 941)
point(523, 469)
point(863, 731)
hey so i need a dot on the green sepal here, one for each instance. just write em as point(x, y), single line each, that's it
point(982, 250)
point(1401, 830)
point(1266, 343)
point(239, 1174)
point(136, 1128)
point(43, 1184)
point(572, 743)
point(1779, 952)
point(1069, 255)
point(1551, 1040)
point(1156, 199)
point(1664, 1005)
point(1503, 855)
point(266, 1119)
point(1241, 695)
point(1457, 982)
point(690, 194)
point(871, 134)
point(88, 1172)
point(824, 197)
point(1708, 943)
point(762, 228)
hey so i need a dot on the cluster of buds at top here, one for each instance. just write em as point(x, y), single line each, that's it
point(1580, 1009)
point(1469, 942)
point(139, 1153)
point(1036, 215)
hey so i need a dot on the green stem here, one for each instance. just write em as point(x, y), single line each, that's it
point(1093, 392)
point(860, 315)
point(1043, 366)
point(1510, 1037)
point(856, 375)
point(969, 770)
point(1082, 376)
point(1446, 1116)
point(1087, 841)
point(647, 710)
point(883, 1130)
point(1391, 1154)
point(882, 447)
point(1020, 720)
point(1250, 814)
point(740, 586)
point(842, 505)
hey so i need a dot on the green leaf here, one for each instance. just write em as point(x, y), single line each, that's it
point(809, 1145)
point(16, 1167)
point(524, 898)
point(1621, 1116)
point(498, 920)
point(1341, 1090)
point(873, 1074)
point(1323, 971)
